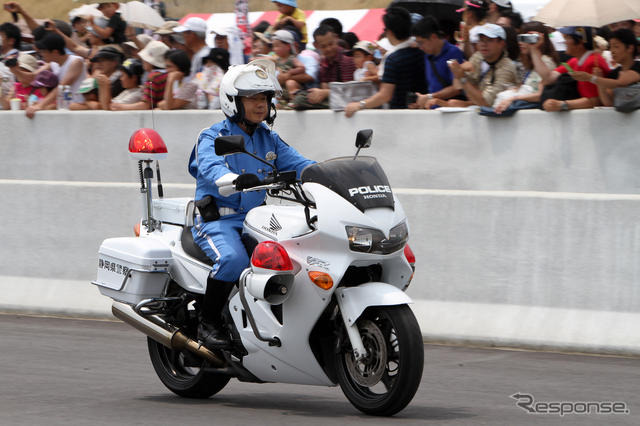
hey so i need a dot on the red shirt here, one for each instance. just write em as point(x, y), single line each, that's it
point(586, 88)
point(23, 92)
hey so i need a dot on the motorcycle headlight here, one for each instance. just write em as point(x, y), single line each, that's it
point(369, 240)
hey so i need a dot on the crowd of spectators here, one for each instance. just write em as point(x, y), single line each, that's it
point(494, 61)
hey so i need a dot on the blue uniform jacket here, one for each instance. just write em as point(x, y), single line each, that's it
point(207, 167)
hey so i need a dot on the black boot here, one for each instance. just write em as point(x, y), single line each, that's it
point(211, 331)
point(212, 335)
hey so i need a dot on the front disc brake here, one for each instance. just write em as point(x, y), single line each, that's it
point(369, 370)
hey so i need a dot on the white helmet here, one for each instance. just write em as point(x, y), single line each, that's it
point(258, 76)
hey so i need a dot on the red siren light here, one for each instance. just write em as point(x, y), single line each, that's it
point(147, 144)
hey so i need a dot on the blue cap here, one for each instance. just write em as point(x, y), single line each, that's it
point(574, 31)
point(292, 3)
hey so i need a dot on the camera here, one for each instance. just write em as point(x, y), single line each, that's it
point(11, 62)
point(412, 98)
point(528, 38)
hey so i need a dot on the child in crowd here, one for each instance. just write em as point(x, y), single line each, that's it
point(260, 46)
point(290, 15)
point(287, 64)
point(44, 83)
point(154, 64)
point(89, 90)
point(131, 79)
point(23, 68)
point(216, 63)
point(366, 68)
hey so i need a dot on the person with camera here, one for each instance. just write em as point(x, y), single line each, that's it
point(474, 14)
point(565, 94)
point(10, 40)
point(531, 85)
point(115, 30)
point(15, 9)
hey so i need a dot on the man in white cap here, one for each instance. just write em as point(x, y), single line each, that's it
point(194, 31)
point(489, 71)
point(228, 38)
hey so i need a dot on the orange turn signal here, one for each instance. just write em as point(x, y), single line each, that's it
point(321, 279)
point(136, 229)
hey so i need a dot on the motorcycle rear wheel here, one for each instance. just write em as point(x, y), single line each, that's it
point(181, 379)
point(387, 379)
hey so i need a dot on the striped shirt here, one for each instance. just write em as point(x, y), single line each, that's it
point(341, 68)
point(154, 87)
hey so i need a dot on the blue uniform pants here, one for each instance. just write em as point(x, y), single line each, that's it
point(220, 240)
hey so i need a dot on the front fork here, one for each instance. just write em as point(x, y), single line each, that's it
point(353, 301)
point(359, 352)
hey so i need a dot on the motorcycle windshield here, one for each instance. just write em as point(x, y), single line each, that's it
point(362, 181)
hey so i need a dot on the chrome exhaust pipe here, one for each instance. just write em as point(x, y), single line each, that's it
point(163, 333)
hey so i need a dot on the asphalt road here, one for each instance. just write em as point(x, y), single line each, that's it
point(80, 372)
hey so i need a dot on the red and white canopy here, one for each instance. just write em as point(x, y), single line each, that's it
point(366, 23)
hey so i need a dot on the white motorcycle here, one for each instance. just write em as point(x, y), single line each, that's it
point(322, 302)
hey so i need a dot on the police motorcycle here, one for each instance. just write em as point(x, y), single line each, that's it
point(322, 303)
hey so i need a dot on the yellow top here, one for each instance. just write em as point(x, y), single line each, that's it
point(298, 15)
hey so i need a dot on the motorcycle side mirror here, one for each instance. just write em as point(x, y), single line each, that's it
point(226, 145)
point(363, 139)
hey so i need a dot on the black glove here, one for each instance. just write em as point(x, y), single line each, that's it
point(246, 181)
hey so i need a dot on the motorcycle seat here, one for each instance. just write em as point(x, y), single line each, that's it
point(191, 248)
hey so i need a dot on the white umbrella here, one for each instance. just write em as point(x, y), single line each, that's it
point(85, 11)
point(589, 13)
point(138, 14)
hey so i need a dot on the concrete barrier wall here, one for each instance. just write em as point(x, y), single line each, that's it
point(524, 228)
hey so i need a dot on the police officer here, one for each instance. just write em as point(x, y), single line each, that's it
point(246, 94)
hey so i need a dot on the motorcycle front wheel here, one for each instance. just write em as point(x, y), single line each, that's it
point(386, 380)
point(182, 374)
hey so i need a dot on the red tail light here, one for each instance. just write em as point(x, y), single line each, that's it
point(271, 255)
point(408, 253)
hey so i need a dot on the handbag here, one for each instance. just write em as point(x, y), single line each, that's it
point(564, 89)
point(353, 91)
point(627, 99)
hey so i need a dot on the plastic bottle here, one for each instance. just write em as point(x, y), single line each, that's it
point(201, 99)
point(67, 96)
point(33, 99)
point(60, 101)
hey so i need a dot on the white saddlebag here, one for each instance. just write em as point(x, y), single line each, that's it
point(133, 269)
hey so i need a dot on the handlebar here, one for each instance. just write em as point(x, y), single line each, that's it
point(279, 181)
